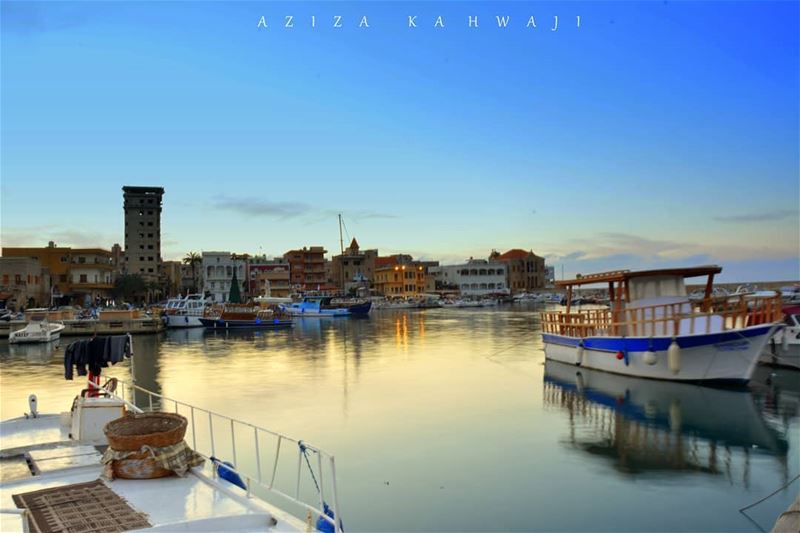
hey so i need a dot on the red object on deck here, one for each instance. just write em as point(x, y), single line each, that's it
point(620, 356)
point(93, 392)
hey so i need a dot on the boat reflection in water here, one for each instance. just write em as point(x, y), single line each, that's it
point(644, 426)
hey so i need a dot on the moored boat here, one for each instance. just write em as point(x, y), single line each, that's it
point(38, 330)
point(651, 329)
point(246, 316)
point(323, 306)
point(184, 312)
point(55, 470)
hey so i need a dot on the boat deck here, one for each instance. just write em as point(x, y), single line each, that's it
point(36, 457)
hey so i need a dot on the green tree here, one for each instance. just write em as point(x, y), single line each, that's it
point(129, 287)
point(193, 259)
point(235, 296)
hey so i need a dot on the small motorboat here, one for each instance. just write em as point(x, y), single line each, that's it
point(38, 330)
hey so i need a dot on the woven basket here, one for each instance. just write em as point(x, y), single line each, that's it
point(133, 431)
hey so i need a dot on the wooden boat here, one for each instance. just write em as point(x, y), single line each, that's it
point(783, 348)
point(246, 316)
point(651, 329)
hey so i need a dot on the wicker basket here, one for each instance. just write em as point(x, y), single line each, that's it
point(133, 431)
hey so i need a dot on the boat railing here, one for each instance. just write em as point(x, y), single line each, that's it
point(673, 319)
point(22, 514)
point(220, 437)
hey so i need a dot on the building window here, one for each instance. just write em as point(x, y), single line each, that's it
point(62, 278)
point(83, 278)
point(149, 246)
point(149, 223)
point(150, 258)
point(141, 258)
point(149, 269)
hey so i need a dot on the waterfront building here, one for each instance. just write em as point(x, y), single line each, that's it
point(79, 274)
point(307, 269)
point(476, 277)
point(171, 277)
point(218, 270)
point(142, 206)
point(91, 275)
point(23, 282)
point(117, 259)
point(526, 270)
point(191, 278)
point(400, 276)
point(269, 278)
point(354, 268)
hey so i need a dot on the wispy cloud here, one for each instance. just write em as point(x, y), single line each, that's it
point(257, 207)
point(40, 235)
point(770, 216)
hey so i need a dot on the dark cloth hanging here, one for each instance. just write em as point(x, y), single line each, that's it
point(76, 355)
point(96, 353)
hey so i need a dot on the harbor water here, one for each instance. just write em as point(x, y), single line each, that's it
point(450, 420)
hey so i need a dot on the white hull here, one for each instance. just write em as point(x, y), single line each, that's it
point(36, 333)
point(182, 321)
point(727, 360)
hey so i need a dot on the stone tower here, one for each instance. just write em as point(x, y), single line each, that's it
point(142, 206)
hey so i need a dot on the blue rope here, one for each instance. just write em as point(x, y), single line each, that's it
point(304, 450)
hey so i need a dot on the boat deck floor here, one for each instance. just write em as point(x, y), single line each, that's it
point(196, 502)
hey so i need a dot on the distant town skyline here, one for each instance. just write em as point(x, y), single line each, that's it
point(656, 134)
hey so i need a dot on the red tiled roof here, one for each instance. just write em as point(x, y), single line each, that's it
point(516, 253)
point(385, 261)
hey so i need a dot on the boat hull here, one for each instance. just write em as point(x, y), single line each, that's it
point(212, 323)
point(728, 357)
point(39, 336)
point(182, 321)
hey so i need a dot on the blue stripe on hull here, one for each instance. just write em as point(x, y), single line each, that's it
point(656, 344)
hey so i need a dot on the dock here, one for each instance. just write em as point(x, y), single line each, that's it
point(90, 327)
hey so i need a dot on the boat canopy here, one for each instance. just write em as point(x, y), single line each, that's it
point(664, 285)
point(625, 275)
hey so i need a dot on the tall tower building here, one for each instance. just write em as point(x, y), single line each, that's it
point(142, 206)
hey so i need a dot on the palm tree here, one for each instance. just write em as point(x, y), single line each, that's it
point(193, 259)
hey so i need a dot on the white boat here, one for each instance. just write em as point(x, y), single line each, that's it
point(58, 453)
point(653, 330)
point(783, 348)
point(184, 312)
point(38, 330)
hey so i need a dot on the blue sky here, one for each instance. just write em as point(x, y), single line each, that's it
point(657, 133)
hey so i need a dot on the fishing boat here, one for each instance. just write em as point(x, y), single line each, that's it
point(184, 312)
point(783, 348)
point(323, 306)
point(38, 330)
point(651, 329)
point(245, 316)
point(249, 478)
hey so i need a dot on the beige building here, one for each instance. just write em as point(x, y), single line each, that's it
point(171, 277)
point(23, 282)
point(142, 207)
point(270, 278)
point(353, 268)
point(525, 270)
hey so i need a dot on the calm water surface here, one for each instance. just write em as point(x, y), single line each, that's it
point(449, 420)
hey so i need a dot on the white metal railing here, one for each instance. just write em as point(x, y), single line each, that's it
point(249, 477)
point(23, 516)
